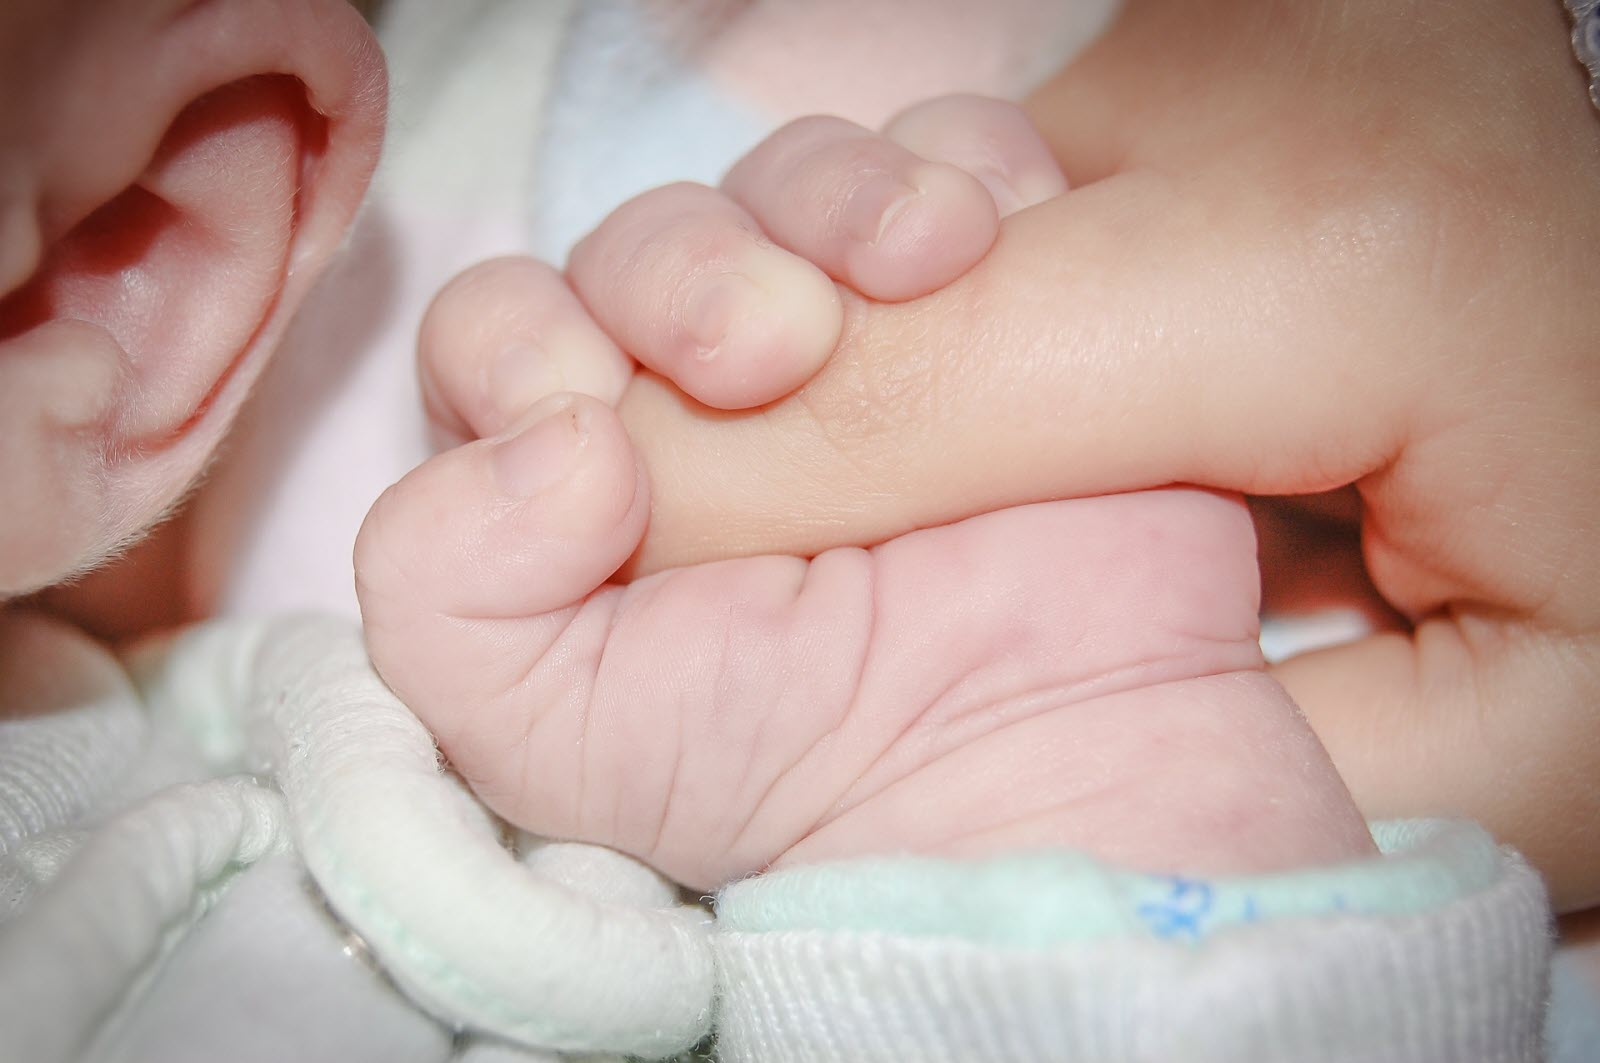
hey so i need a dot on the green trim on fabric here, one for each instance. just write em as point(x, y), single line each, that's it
point(1044, 898)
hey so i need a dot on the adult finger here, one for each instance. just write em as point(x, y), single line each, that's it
point(1071, 361)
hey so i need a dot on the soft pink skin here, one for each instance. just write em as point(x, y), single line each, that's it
point(1075, 673)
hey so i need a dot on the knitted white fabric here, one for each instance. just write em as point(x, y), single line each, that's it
point(32, 864)
point(416, 866)
point(70, 724)
point(1464, 982)
point(130, 890)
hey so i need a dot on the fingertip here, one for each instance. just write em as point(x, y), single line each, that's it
point(991, 139)
point(541, 450)
point(569, 473)
point(867, 211)
point(927, 239)
point(512, 526)
point(770, 327)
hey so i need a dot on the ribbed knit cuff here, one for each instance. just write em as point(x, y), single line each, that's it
point(1462, 978)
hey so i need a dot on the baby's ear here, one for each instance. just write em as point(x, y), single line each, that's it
point(160, 278)
point(180, 270)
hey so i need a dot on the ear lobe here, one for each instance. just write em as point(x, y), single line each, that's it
point(184, 267)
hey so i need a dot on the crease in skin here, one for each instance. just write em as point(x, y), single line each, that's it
point(1098, 789)
point(1054, 698)
point(622, 609)
point(748, 762)
point(905, 732)
point(671, 789)
point(1452, 629)
point(682, 692)
point(727, 713)
point(535, 718)
point(862, 563)
point(586, 702)
point(934, 719)
point(723, 702)
point(1205, 826)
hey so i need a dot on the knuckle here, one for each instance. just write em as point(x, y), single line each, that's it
point(481, 298)
point(844, 163)
point(805, 133)
point(812, 155)
point(966, 112)
point(972, 131)
point(675, 235)
point(645, 210)
point(633, 223)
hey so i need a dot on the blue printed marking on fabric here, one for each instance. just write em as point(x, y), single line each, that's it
point(1183, 912)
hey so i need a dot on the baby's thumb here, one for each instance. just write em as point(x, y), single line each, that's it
point(477, 548)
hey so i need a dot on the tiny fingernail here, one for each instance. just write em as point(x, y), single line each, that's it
point(719, 300)
point(874, 207)
point(540, 452)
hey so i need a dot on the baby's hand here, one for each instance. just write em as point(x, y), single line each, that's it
point(729, 294)
point(1072, 673)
